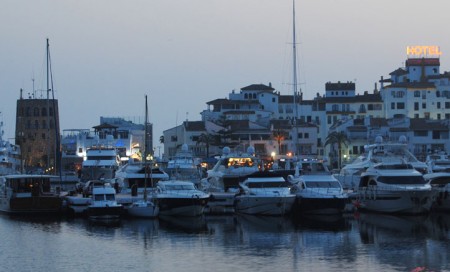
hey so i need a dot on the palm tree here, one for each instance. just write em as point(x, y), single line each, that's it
point(279, 135)
point(206, 139)
point(339, 138)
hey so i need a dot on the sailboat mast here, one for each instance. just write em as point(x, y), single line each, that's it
point(294, 76)
point(145, 150)
point(48, 106)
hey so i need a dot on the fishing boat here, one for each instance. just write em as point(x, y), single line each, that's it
point(28, 194)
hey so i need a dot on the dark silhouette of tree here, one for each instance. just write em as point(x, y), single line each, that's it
point(207, 140)
point(279, 135)
point(339, 139)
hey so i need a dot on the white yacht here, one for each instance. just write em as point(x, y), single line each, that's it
point(350, 174)
point(222, 181)
point(10, 162)
point(103, 206)
point(394, 187)
point(182, 198)
point(28, 194)
point(230, 170)
point(133, 179)
point(317, 190)
point(438, 162)
point(440, 183)
point(264, 193)
point(102, 161)
point(184, 166)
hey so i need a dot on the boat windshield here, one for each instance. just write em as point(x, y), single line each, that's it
point(267, 184)
point(322, 184)
point(180, 187)
point(402, 180)
point(441, 181)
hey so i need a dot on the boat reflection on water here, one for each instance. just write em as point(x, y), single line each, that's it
point(405, 238)
point(324, 222)
point(188, 224)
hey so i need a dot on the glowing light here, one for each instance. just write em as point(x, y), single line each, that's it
point(423, 50)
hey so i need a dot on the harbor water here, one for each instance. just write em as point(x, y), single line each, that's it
point(354, 242)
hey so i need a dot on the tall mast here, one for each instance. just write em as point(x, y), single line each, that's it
point(145, 150)
point(294, 71)
point(48, 106)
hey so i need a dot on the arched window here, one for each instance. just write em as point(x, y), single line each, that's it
point(36, 111)
point(44, 111)
point(28, 111)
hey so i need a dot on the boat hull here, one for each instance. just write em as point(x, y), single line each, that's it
point(264, 205)
point(320, 205)
point(143, 209)
point(400, 201)
point(104, 213)
point(192, 206)
point(32, 205)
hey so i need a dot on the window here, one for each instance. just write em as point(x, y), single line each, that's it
point(400, 105)
point(421, 133)
point(43, 136)
point(44, 112)
point(36, 124)
point(436, 134)
point(36, 111)
point(439, 116)
point(416, 106)
point(44, 124)
point(424, 105)
point(447, 105)
point(329, 119)
point(438, 105)
point(416, 93)
point(306, 135)
point(274, 100)
point(438, 94)
point(392, 106)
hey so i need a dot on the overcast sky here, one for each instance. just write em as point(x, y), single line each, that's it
point(107, 54)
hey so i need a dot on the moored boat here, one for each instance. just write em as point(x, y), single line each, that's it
point(104, 206)
point(264, 194)
point(29, 194)
point(182, 198)
point(394, 188)
point(317, 190)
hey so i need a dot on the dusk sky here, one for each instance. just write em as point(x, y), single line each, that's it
point(107, 54)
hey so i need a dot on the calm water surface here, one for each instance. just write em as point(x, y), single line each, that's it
point(362, 242)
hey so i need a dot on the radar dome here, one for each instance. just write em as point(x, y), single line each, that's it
point(184, 148)
point(402, 139)
point(251, 150)
point(226, 150)
point(378, 140)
